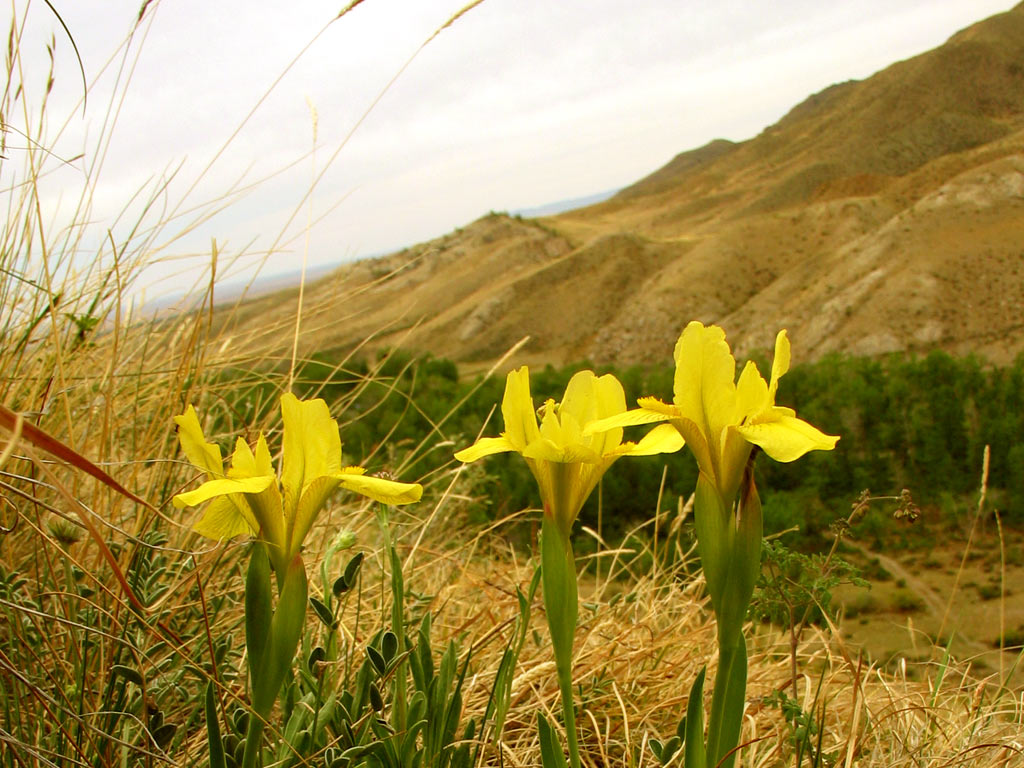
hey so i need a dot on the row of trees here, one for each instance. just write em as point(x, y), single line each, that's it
point(905, 422)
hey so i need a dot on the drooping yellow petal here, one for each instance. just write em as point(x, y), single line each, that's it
point(517, 410)
point(354, 479)
point(221, 487)
point(311, 502)
point(203, 455)
point(379, 489)
point(311, 446)
point(664, 438)
point(786, 438)
point(651, 411)
point(222, 520)
point(485, 446)
point(229, 514)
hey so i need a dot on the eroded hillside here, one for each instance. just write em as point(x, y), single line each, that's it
point(877, 216)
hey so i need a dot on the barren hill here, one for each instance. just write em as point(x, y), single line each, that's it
point(878, 215)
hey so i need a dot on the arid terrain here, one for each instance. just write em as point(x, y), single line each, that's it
point(878, 215)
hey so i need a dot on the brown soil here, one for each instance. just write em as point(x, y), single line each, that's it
point(930, 598)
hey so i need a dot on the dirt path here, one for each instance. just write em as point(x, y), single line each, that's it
point(935, 605)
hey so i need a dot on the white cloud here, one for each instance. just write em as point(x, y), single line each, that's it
point(521, 102)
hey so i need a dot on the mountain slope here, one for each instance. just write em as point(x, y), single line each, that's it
point(877, 215)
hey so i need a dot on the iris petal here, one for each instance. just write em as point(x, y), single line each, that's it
point(485, 446)
point(203, 455)
point(787, 438)
point(517, 409)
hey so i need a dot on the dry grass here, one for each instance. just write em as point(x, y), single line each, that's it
point(115, 615)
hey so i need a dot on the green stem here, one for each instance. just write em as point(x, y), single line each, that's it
point(727, 702)
point(253, 741)
point(397, 617)
point(561, 603)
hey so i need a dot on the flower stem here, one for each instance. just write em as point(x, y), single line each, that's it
point(727, 703)
point(558, 582)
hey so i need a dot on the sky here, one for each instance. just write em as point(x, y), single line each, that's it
point(517, 104)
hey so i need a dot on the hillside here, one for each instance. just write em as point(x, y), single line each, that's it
point(877, 215)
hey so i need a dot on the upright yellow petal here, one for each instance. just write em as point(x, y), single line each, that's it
point(203, 455)
point(705, 388)
point(517, 409)
point(780, 363)
point(243, 463)
point(579, 399)
point(751, 394)
point(264, 464)
point(610, 400)
point(312, 446)
point(560, 440)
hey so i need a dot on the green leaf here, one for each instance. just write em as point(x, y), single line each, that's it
point(727, 703)
point(389, 646)
point(213, 740)
point(120, 670)
point(409, 742)
point(561, 603)
point(240, 721)
point(352, 570)
point(162, 736)
point(340, 586)
point(669, 749)
point(322, 612)
point(376, 700)
point(377, 660)
point(258, 608)
point(285, 630)
point(695, 755)
point(655, 746)
point(316, 656)
point(551, 755)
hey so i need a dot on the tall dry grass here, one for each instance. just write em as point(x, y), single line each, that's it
point(115, 616)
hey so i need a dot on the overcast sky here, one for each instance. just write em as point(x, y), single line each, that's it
point(518, 104)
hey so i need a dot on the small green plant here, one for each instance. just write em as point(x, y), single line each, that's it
point(806, 728)
point(989, 591)
point(906, 601)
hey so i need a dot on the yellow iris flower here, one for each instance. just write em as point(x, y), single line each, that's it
point(567, 461)
point(722, 418)
point(250, 498)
